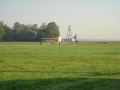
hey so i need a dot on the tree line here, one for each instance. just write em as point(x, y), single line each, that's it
point(22, 32)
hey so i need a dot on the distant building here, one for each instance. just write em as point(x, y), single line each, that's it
point(72, 39)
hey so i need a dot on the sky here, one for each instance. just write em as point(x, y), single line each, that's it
point(89, 19)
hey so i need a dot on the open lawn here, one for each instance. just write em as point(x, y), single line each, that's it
point(87, 66)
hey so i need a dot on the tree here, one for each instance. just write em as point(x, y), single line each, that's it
point(43, 26)
point(52, 30)
point(1, 33)
point(8, 33)
point(17, 27)
point(16, 31)
point(41, 33)
point(34, 29)
point(26, 33)
point(1, 30)
point(48, 31)
point(22, 32)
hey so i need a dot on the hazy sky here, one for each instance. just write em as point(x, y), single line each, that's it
point(89, 19)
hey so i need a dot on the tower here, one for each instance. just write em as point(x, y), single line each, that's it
point(69, 35)
point(69, 32)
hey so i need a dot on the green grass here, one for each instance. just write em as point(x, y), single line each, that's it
point(87, 66)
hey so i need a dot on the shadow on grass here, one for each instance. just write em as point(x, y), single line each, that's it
point(93, 73)
point(61, 84)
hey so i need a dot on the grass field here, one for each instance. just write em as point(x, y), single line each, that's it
point(87, 66)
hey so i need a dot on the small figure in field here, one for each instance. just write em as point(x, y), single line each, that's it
point(52, 42)
point(59, 43)
point(40, 42)
point(106, 43)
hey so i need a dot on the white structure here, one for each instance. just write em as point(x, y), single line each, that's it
point(59, 39)
point(68, 39)
point(73, 39)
